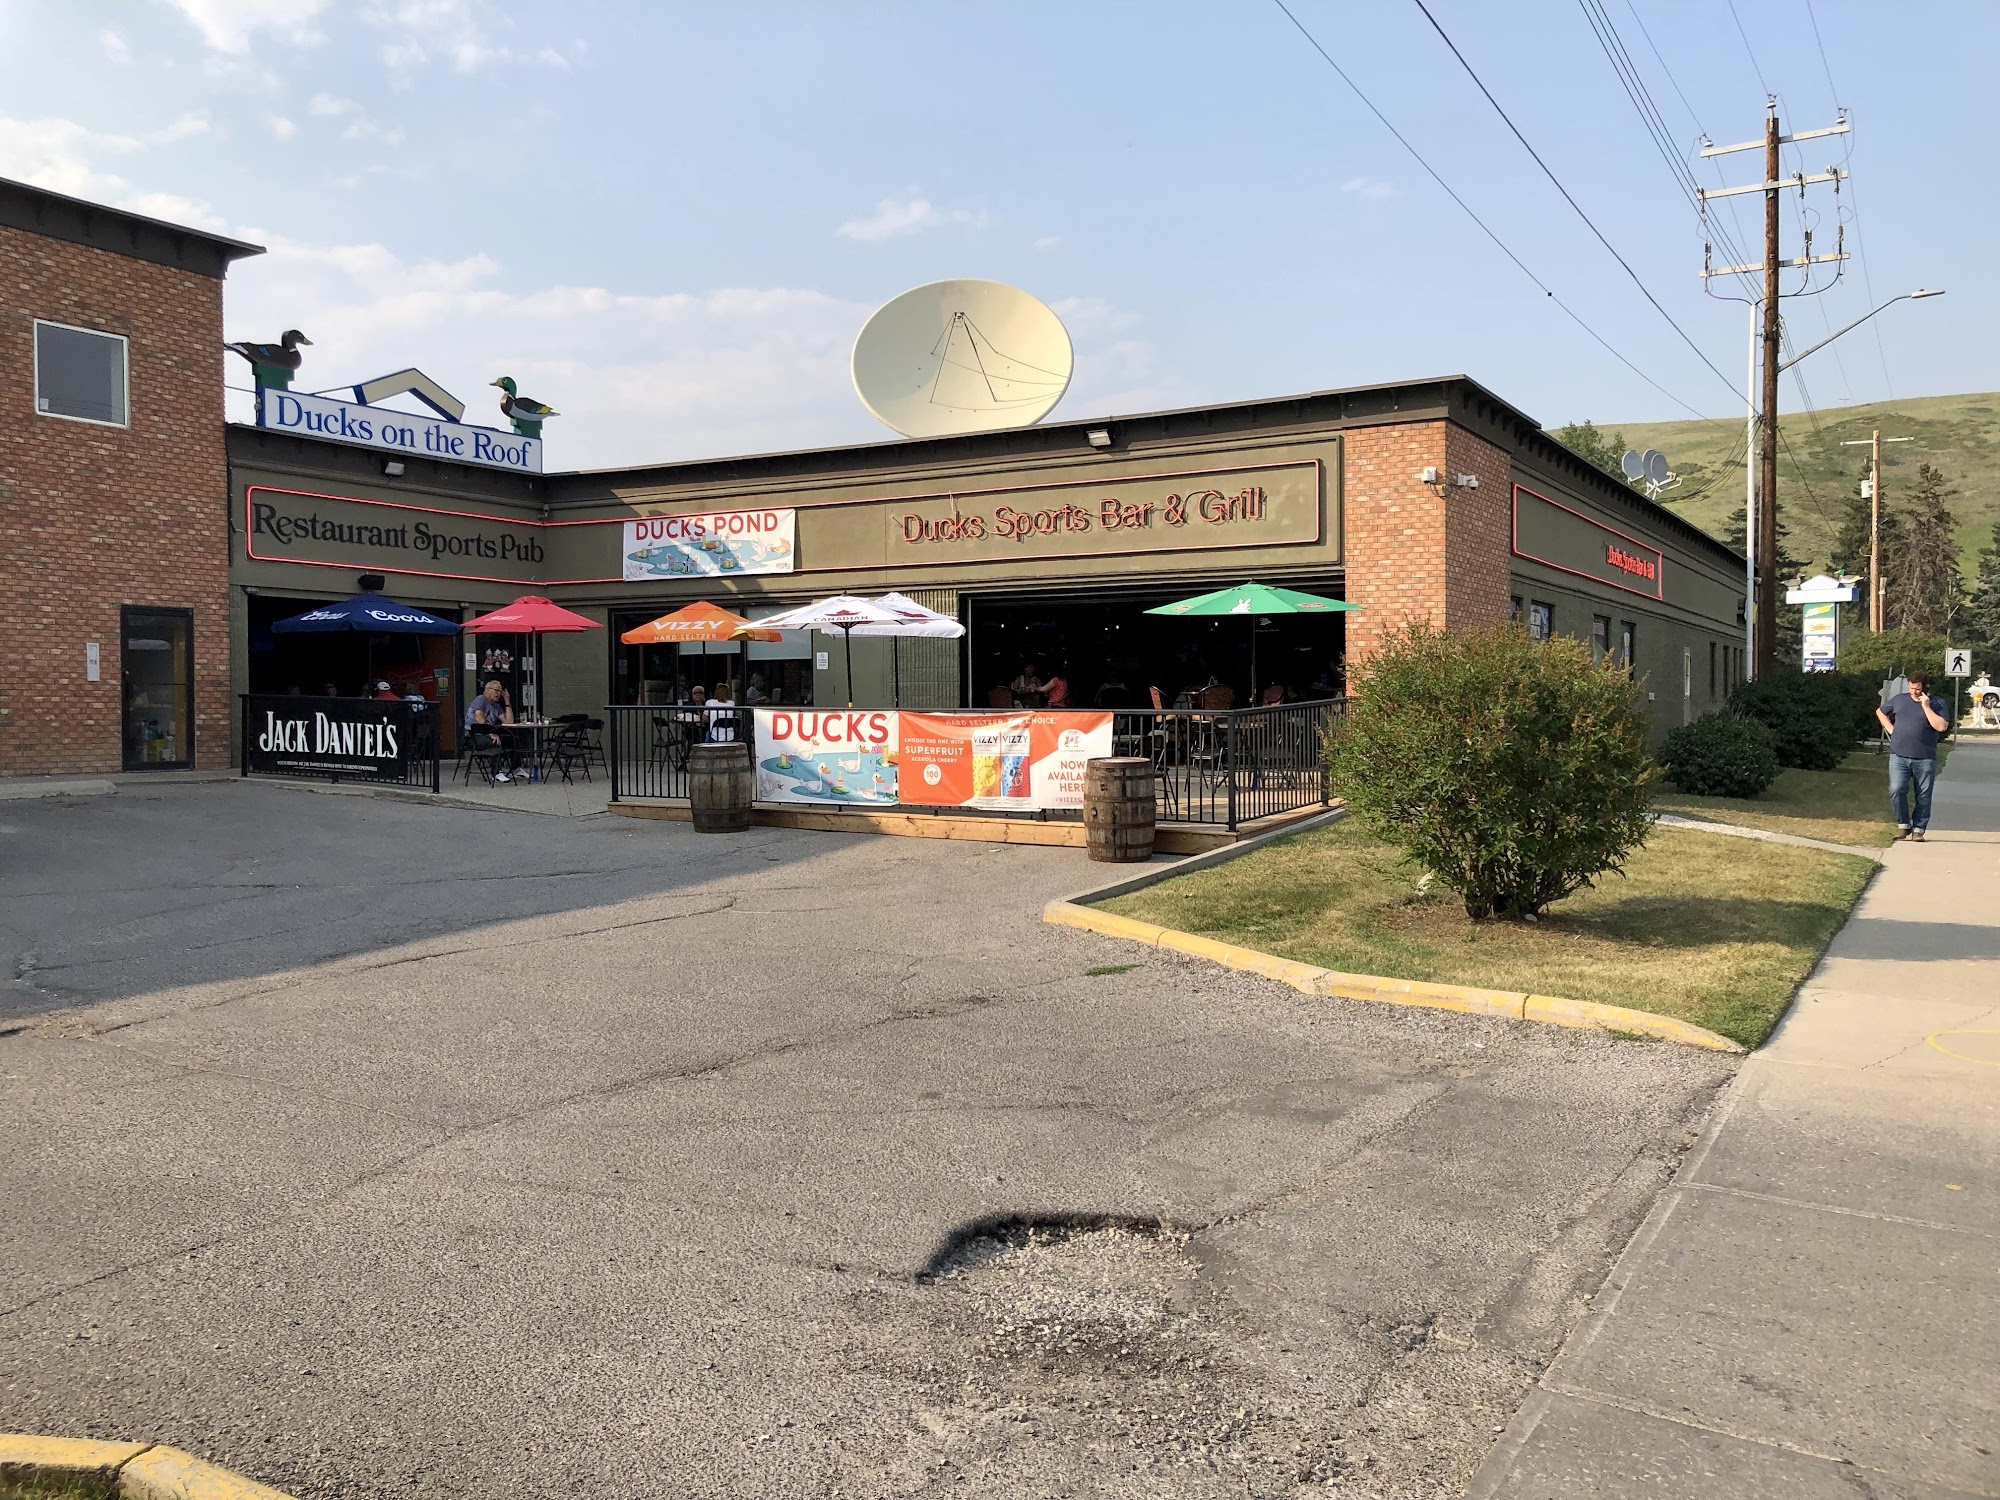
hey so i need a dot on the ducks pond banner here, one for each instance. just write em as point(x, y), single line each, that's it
point(711, 544)
point(1028, 761)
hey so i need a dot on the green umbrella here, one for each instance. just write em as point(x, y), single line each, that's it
point(1254, 599)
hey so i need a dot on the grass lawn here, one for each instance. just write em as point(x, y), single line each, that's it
point(1717, 931)
point(14, 1486)
point(1845, 806)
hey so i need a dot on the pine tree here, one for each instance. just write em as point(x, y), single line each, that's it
point(1982, 610)
point(1922, 586)
point(1604, 449)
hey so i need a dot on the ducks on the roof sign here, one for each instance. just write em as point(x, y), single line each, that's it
point(273, 365)
point(524, 412)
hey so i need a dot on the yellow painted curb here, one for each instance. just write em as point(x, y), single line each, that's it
point(1512, 1005)
point(145, 1471)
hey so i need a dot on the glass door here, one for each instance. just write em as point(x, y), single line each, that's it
point(156, 653)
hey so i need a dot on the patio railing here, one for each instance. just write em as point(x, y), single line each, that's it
point(1214, 767)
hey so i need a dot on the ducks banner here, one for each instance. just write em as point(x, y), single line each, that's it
point(711, 544)
point(879, 758)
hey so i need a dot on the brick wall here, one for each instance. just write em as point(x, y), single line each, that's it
point(93, 517)
point(1416, 551)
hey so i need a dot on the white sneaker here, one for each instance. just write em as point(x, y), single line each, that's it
point(502, 776)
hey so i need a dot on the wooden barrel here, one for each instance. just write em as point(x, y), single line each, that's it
point(719, 787)
point(1118, 809)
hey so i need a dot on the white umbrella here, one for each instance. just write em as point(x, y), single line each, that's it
point(911, 619)
point(843, 612)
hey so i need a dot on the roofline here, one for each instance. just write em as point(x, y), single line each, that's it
point(40, 210)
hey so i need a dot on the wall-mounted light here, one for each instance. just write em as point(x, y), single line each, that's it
point(393, 468)
point(1098, 437)
point(1430, 474)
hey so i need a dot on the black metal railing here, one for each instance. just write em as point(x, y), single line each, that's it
point(648, 745)
point(1221, 767)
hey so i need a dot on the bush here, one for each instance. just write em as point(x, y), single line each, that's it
point(1721, 755)
point(1815, 716)
point(1891, 653)
point(1513, 770)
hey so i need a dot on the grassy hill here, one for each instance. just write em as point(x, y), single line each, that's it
point(1959, 434)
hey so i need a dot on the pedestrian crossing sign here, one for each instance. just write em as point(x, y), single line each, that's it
point(1958, 662)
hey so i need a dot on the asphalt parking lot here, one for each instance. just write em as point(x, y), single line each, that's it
point(374, 1148)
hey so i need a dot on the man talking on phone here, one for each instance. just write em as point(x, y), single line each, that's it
point(1914, 723)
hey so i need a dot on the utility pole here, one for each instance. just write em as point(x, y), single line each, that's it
point(1761, 525)
point(1874, 442)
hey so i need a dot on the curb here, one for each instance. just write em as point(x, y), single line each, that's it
point(1512, 1005)
point(143, 1471)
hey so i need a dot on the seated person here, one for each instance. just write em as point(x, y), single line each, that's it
point(385, 693)
point(755, 692)
point(1027, 688)
point(1057, 688)
point(722, 726)
point(484, 718)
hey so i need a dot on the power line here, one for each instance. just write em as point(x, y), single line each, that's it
point(1567, 198)
point(1825, 66)
point(1747, 49)
point(1484, 228)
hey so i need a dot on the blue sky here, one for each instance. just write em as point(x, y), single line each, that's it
point(670, 220)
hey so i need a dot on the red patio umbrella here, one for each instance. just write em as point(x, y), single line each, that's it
point(531, 615)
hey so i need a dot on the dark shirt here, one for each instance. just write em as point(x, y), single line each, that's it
point(1913, 738)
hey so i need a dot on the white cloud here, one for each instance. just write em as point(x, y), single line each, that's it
point(66, 157)
point(638, 376)
point(114, 44)
point(283, 128)
point(912, 215)
point(231, 25)
point(1048, 242)
point(1370, 189)
point(327, 107)
point(464, 35)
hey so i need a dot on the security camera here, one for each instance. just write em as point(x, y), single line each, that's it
point(1468, 481)
point(1430, 474)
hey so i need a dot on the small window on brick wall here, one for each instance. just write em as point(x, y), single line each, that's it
point(80, 374)
point(1541, 619)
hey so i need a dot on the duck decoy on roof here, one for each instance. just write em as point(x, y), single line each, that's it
point(526, 414)
point(273, 365)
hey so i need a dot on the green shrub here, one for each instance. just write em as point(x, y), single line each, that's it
point(1815, 716)
point(1513, 770)
point(1721, 755)
point(1889, 653)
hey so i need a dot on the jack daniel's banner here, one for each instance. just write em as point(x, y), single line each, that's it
point(342, 739)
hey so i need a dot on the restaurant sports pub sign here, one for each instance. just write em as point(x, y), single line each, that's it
point(1136, 516)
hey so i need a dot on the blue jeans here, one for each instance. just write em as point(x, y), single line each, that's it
point(1910, 783)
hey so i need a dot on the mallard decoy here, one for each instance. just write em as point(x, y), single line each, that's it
point(526, 414)
point(273, 364)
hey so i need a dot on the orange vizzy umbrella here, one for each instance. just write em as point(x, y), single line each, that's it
point(697, 622)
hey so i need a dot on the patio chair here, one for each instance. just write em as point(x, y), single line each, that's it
point(567, 750)
point(593, 744)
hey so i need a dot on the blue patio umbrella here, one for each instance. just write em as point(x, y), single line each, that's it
point(370, 613)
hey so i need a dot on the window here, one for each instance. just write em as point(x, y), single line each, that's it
point(1626, 631)
point(1711, 669)
point(80, 374)
point(1600, 638)
point(1514, 610)
point(1541, 620)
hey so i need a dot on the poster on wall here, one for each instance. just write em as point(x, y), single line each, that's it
point(716, 543)
point(1027, 762)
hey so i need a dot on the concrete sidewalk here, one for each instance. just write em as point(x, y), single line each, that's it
point(1813, 1310)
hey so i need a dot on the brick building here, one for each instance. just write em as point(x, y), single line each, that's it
point(114, 538)
point(144, 534)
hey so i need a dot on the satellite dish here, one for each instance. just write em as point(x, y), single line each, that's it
point(1633, 465)
point(1656, 466)
point(961, 356)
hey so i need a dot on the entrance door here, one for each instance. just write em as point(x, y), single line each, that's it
point(156, 653)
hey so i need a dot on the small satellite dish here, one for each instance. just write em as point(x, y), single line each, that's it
point(961, 356)
point(1649, 469)
point(1633, 465)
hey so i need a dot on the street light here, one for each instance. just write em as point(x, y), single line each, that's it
point(1751, 624)
point(1906, 297)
